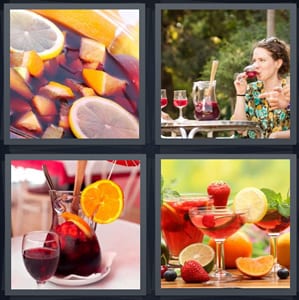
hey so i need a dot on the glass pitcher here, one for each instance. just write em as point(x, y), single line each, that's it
point(204, 100)
point(80, 251)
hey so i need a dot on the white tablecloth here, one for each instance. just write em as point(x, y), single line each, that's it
point(121, 237)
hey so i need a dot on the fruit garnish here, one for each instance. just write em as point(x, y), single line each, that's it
point(170, 221)
point(170, 275)
point(283, 273)
point(103, 201)
point(163, 269)
point(255, 267)
point(192, 271)
point(208, 221)
point(78, 221)
point(97, 117)
point(18, 84)
point(253, 200)
point(96, 24)
point(30, 31)
point(202, 253)
point(220, 191)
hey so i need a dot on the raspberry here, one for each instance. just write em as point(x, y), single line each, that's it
point(208, 221)
point(192, 271)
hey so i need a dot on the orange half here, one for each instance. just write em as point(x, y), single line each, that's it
point(78, 221)
point(103, 201)
point(255, 267)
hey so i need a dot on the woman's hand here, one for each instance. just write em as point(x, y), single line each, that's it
point(279, 98)
point(240, 83)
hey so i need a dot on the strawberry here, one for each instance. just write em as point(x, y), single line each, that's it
point(220, 191)
point(192, 271)
point(208, 221)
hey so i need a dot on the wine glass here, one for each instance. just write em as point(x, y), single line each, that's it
point(218, 223)
point(41, 250)
point(163, 101)
point(180, 101)
point(273, 223)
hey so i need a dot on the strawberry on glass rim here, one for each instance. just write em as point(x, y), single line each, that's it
point(220, 192)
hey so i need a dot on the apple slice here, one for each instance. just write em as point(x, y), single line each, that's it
point(92, 51)
point(103, 83)
point(54, 90)
point(33, 62)
point(18, 84)
point(44, 106)
point(29, 121)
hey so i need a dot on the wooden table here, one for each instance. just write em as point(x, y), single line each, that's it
point(246, 282)
point(189, 128)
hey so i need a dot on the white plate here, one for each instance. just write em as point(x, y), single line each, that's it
point(75, 280)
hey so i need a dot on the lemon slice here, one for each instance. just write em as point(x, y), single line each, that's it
point(254, 200)
point(97, 117)
point(30, 31)
point(202, 253)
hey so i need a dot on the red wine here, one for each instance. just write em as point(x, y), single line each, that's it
point(163, 102)
point(180, 102)
point(213, 113)
point(41, 263)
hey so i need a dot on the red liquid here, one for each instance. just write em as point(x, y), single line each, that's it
point(251, 74)
point(66, 69)
point(163, 102)
point(273, 222)
point(41, 263)
point(79, 254)
point(180, 102)
point(218, 226)
point(211, 112)
point(177, 229)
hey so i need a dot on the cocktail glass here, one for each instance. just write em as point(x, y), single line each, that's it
point(163, 101)
point(40, 250)
point(176, 228)
point(218, 223)
point(80, 251)
point(273, 223)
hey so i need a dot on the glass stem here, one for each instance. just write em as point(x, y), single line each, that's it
point(219, 256)
point(181, 112)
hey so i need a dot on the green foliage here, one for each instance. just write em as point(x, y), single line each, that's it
point(167, 191)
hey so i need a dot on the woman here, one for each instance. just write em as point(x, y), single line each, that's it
point(266, 100)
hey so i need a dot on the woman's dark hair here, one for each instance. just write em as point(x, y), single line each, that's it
point(279, 50)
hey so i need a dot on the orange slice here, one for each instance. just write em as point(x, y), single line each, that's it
point(103, 201)
point(78, 221)
point(255, 267)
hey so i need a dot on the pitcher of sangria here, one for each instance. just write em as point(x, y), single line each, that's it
point(204, 99)
point(80, 251)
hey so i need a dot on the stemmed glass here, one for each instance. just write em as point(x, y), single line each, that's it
point(41, 250)
point(180, 101)
point(273, 223)
point(218, 223)
point(163, 101)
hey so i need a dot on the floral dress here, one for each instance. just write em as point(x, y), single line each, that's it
point(258, 110)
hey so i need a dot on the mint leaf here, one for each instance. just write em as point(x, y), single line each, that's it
point(284, 209)
point(273, 198)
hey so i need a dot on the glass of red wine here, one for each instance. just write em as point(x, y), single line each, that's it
point(250, 71)
point(163, 101)
point(180, 101)
point(40, 250)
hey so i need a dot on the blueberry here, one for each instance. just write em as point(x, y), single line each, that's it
point(283, 273)
point(170, 275)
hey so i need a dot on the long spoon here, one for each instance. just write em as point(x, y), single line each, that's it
point(80, 172)
point(48, 178)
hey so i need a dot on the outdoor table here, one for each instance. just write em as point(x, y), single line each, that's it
point(245, 283)
point(189, 128)
point(119, 237)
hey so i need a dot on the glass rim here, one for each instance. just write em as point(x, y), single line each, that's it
point(41, 238)
point(217, 209)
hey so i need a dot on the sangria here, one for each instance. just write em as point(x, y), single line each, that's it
point(80, 251)
point(177, 229)
point(204, 99)
point(250, 71)
point(180, 101)
point(40, 250)
point(218, 223)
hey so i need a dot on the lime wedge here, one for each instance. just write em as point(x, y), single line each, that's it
point(254, 200)
point(202, 253)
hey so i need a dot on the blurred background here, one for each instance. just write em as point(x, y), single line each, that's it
point(30, 201)
point(194, 175)
point(192, 39)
